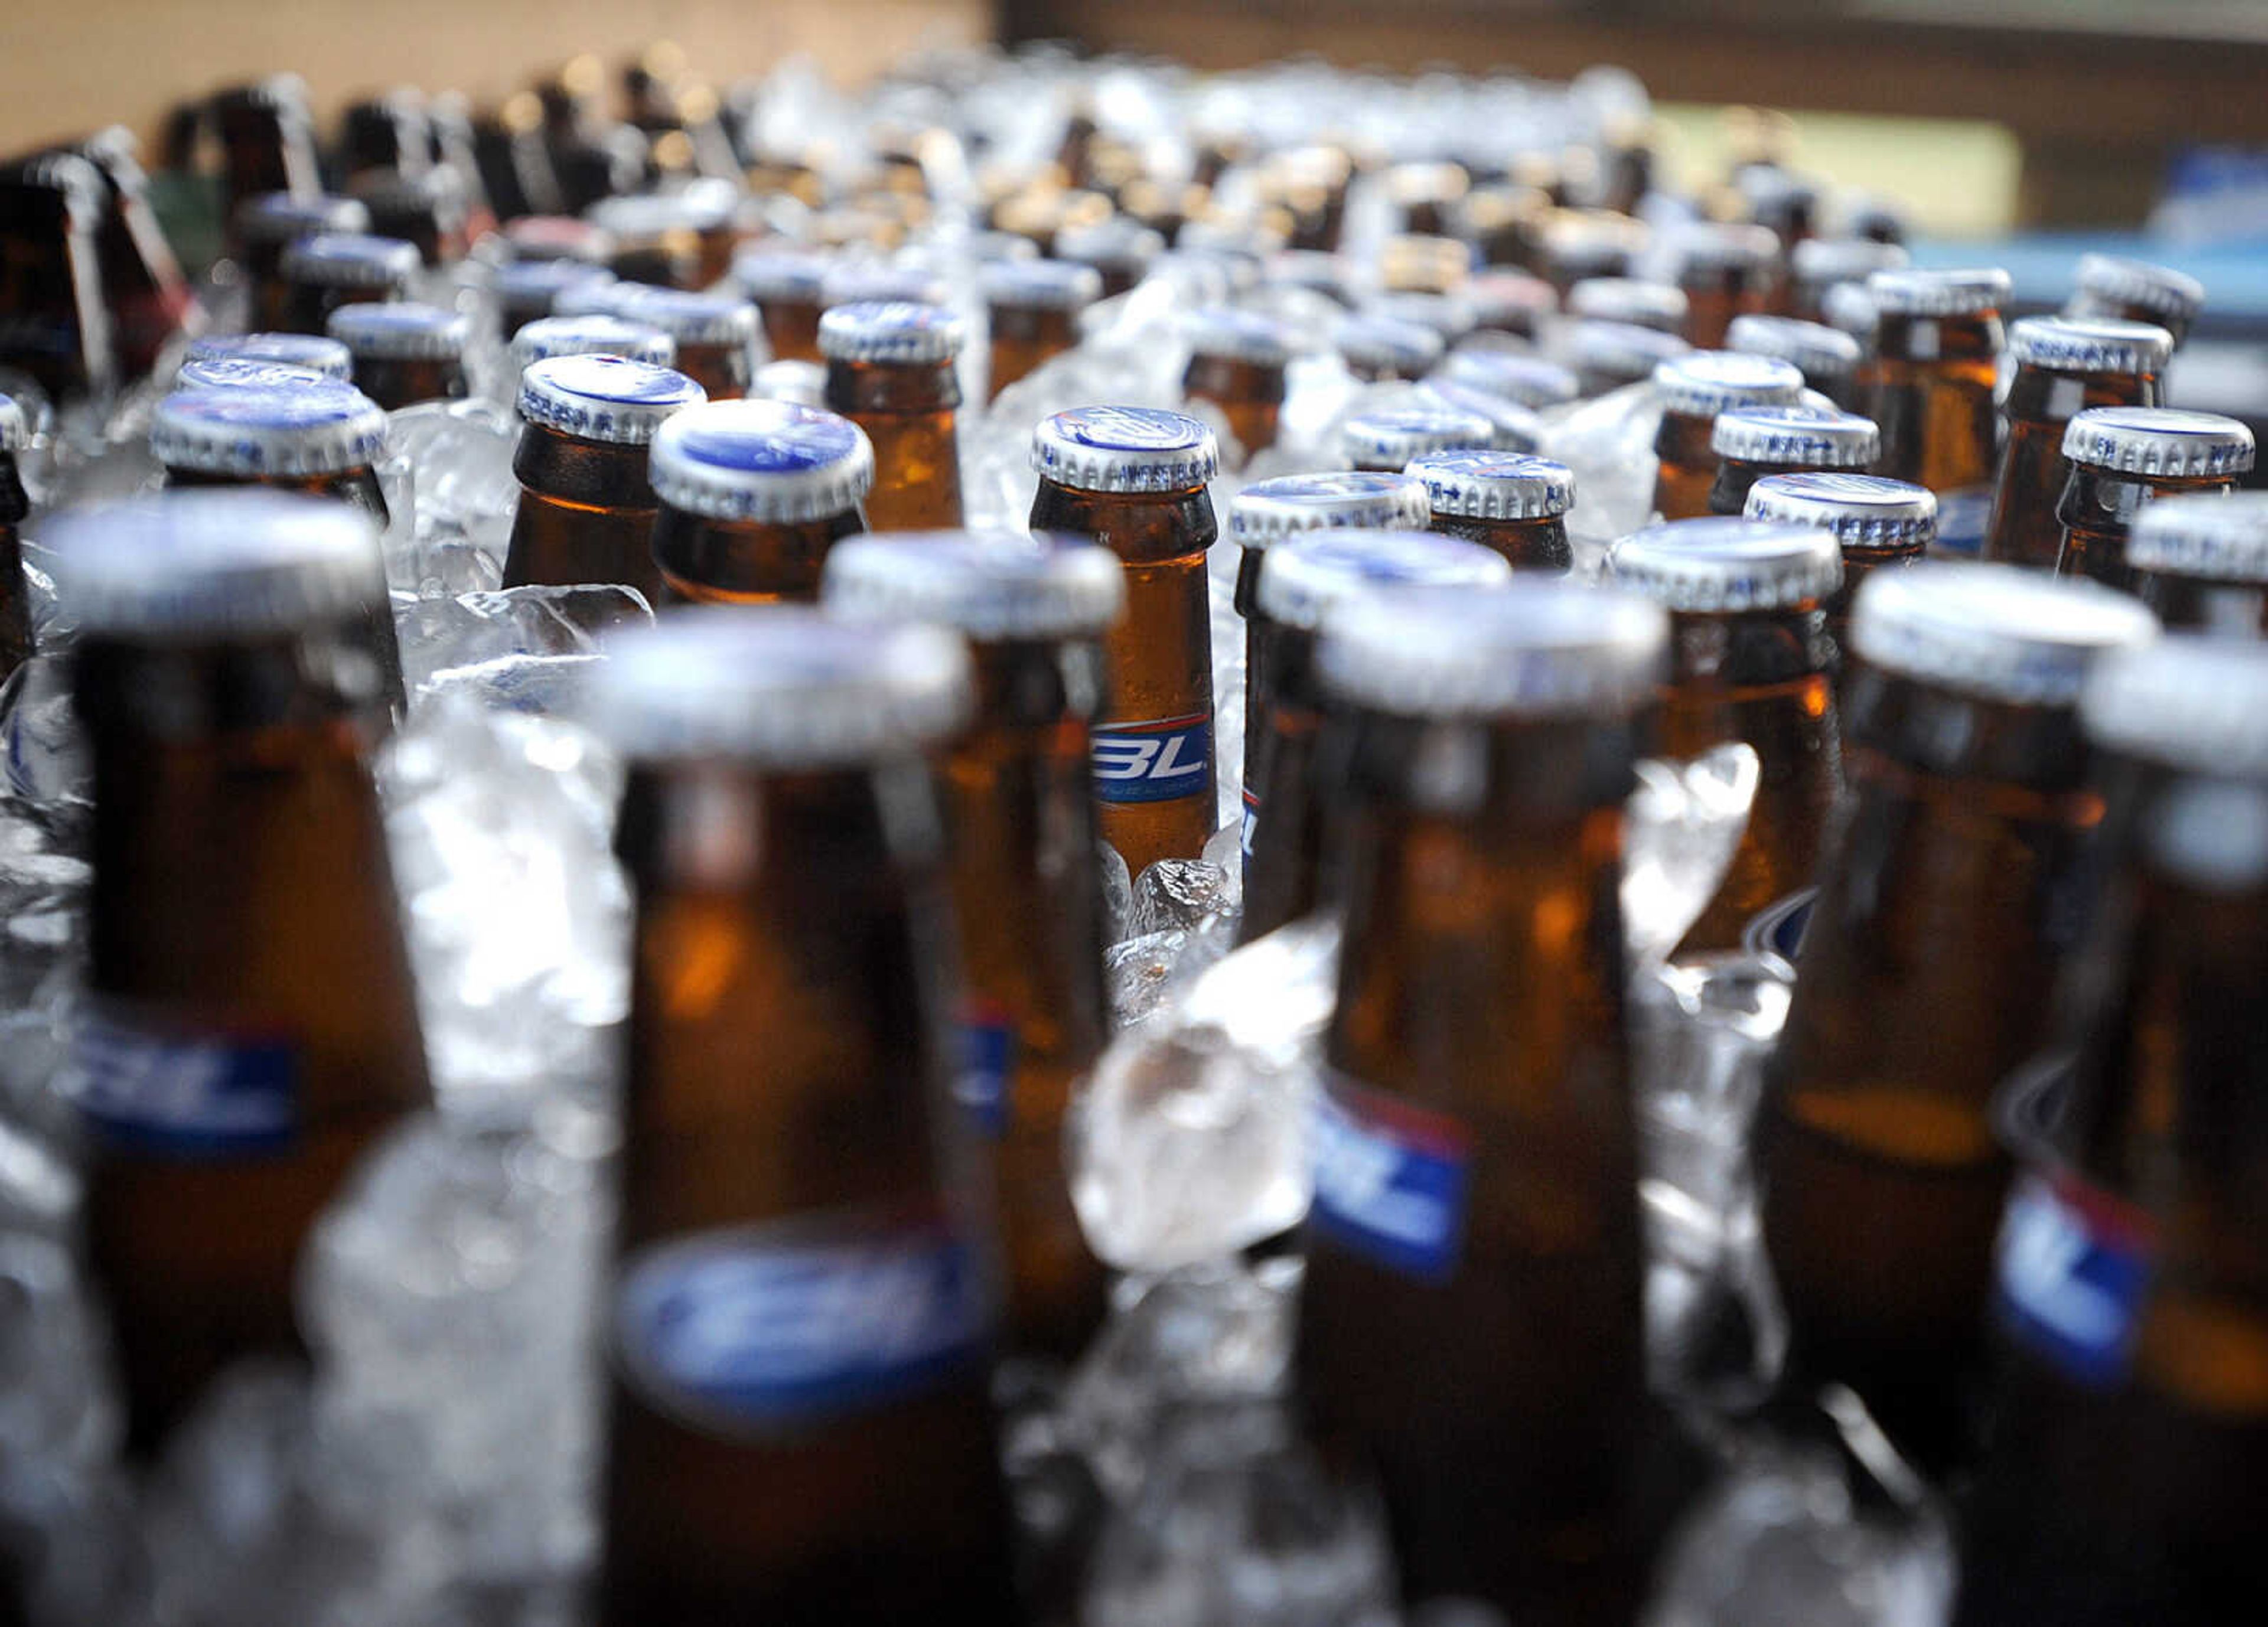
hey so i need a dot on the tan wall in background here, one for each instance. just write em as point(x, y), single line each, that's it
point(68, 66)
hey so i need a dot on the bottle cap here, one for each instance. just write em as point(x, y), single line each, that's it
point(1387, 344)
point(1494, 485)
point(788, 277)
point(1997, 632)
point(785, 686)
point(228, 373)
point(401, 331)
point(1447, 314)
point(350, 259)
point(1246, 336)
point(1867, 513)
point(2219, 536)
point(1118, 242)
point(1347, 499)
point(527, 284)
point(689, 319)
point(1816, 261)
point(1659, 305)
point(2159, 441)
point(2117, 280)
point(2190, 702)
point(1529, 380)
point(766, 462)
point(861, 282)
point(1703, 383)
point(1914, 293)
point(988, 585)
point(1819, 352)
point(1124, 449)
point(316, 426)
point(594, 335)
point(215, 561)
point(1727, 565)
point(1392, 435)
point(1817, 437)
point(602, 397)
point(891, 331)
point(15, 429)
point(1499, 297)
point(1305, 577)
point(804, 383)
point(1623, 349)
point(312, 353)
point(1582, 244)
point(281, 216)
point(1702, 246)
point(1040, 284)
point(1529, 648)
point(1516, 427)
point(2090, 344)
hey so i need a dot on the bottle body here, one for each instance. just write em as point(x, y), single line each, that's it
point(586, 513)
point(2024, 528)
point(1249, 395)
point(1285, 773)
point(907, 411)
point(1928, 386)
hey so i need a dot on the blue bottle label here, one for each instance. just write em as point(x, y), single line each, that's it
point(176, 1091)
point(1157, 761)
point(750, 1330)
point(2073, 1266)
point(988, 1064)
point(1251, 818)
point(1390, 1180)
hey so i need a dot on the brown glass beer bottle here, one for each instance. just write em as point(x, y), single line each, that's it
point(2123, 459)
point(1380, 350)
point(1658, 306)
point(328, 270)
point(404, 352)
point(1827, 357)
point(1034, 306)
point(1385, 439)
point(1817, 264)
point(1237, 360)
point(1694, 389)
point(2134, 290)
point(590, 336)
point(1756, 442)
point(1610, 356)
point(267, 225)
point(785, 285)
point(1928, 385)
point(1880, 524)
point(753, 493)
point(2201, 561)
point(1513, 503)
point(891, 370)
point(54, 325)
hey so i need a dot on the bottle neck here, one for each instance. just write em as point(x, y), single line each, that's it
point(394, 383)
point(2028, 757)
point(358, 487)
point(2097, 510)
point(1226, 382)
point(1977, 336)
point(1538, 545)
point(1683, 441)
point(2041, 396)
point(1142, 528)
point(855, 388)
point(744, 561)
point(2197, 604)
point(594, 474)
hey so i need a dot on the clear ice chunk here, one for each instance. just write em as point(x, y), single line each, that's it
point(1187, 896)
point(1685, 823)
point(483, 643)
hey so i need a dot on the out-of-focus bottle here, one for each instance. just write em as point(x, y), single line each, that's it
point(654, 240)
point(268, 141)
point(1827, 357)
point(149, 300)
point(2123, 459)
point(1726, 271)
point(1582, 244)
point(587, 508)
point(14, 508)
point(1135, 479)
point(1512, 504)
point(1304, 581)
point(430, 209)
point(1817, 264)
point(250, 1027)
point(1119, 249)
point(1755, 443)
point(404, 352)
point(1658, 306)
point(2134, 290)
point(1380, 350)
point(1387, 438)
point(1237, 360)
point(891, 370)
point(1750, 660)
point(1929, 382)
point(1529, 380)
point(264, 226)
point(1880, 524)
point(1471, 1329)
point(1019, 811)
point(1694, 389)
point(2201, 561)
point(54, 325)
point(558, 236)
point(1509, 302)
point(385, 133)
point(753, 495)
point(1611, 356)
point(2062, 367)
point(1034, 307)
point(333, 269)
point(801, 1304)
point(785, 285)
point(2123, 1480)
point(1786, 205)
point(1952, 888)
point(313, 353)
point(595, 335)
point(717, 335)
point(526, 291)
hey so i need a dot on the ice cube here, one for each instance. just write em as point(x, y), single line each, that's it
point(42, 752)
point(1117, 893)
point(1685, 823)
point(1608, 441)
point(461, 452)
point(483, 641)
point(1187, 896)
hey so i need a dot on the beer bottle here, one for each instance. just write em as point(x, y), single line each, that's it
point(1929, 383)
point(1304, 581)
point(1135, 479)
point(595, 335)
point(1753, 442)
point(2201, 561)
point(1380, 349)
point(385, 133)
point(1424, 196)
point(430, 209)
point(753, 493)
point(1658, 306)
point(1019, 811)
point(1529, 380)
point(1817, 264)
point(310, 353)
point(1787, 206)
point(866, 281)
point(1505, 225)
point(2063, 366)
point(1827, 357)
point(54, 325)
point(333, 269)
point(1694, 389)
point(1237, 360)
point(526, 291)
point(2122, 1482)
point(1726, 271)
point(1748, 661)
point(891, 370)
point(2134, 290)
point(266, 225)
point(2123, 459)
point(1034, 307)
point(801, 1301)
point(785, 285)
point(653, 240)
point(1878, 523)
point(1950, 892)
point(714, 334)
point(1119, 249)
point(268, 141)
point(403, 352)
point(1612, 355)
point(1512, 504)
point(14, 508)
point(1582, 244)
point(1386, 439)
point(586, 509)
point(229, 373)
point(148, 297)
point(1470, 1327)
point(1509, 302)
point(250, 1026)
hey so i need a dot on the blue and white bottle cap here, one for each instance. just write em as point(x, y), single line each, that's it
point(1531, 648)
point(1529, 380)
point(522, 285)
point(15, 429)
point(688, 317)
point(891, 331)
point(1388, 344)
point(1817, 261)
point(1517, 428)
point(1249, 336)
point(2093, 345)
point(1124, 449)
point(2116, 280)
point(988, 585)
point(1818, 351)
point(1865, 512)
point(312, 353)
point(1347, 499)
point(1912, 291)
point(1305, 578)
point(1390, 437)
point(1623, 349)
point(1445, 314)
point(593, 334)
point(1040, 284)
point(2218, 536)
point(2193, 704)
point(1703, 383)
point(1473, 484)
point(351, 260)
point(1817, 437)
point(599, 397)
point(857, 282)
point(1659, 305)
point(1999, 632)
point(400, 330)
point(215, 560)
point(2162, 442)
point(766, 462)
point(1117, 242)
point(228, 374)
point(281, 216)
point(786, 275)
point(1726, 565)
point(314, 426)
point(779, 686)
